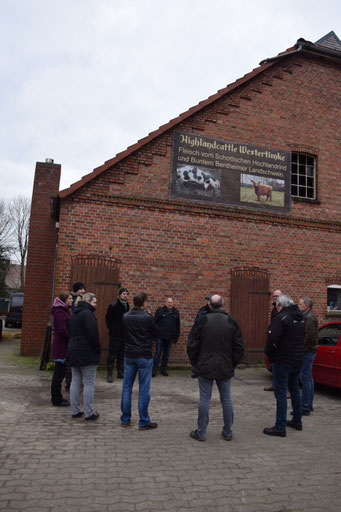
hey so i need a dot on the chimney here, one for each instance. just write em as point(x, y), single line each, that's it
point(40, 258)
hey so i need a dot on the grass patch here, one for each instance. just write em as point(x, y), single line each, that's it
point(13, 358)
point(247, 195)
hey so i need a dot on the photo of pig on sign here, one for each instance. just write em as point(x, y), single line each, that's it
point(209, 170)
point(198, 181)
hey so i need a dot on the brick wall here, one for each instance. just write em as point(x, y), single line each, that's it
point(183, 249)
point(40, 259)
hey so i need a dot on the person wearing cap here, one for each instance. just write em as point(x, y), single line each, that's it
point(113, 320)
point(78, 292)
point(167, 318)
point(204, 309)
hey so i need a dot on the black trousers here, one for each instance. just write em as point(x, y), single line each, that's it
point(56, 384)
point(116, 351)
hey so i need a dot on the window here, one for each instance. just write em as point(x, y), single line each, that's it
point(329, 334)
point(303, 176)
point(334, 297)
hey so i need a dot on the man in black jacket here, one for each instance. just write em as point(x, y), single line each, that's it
point(215, 347)
point(140, 331)
point(167, 319)
point(285, 349)
point(113, 320)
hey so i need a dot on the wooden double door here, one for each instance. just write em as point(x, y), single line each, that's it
point(100, 276)
point(250, 304)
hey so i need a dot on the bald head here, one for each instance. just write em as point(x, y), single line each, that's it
point(216, 302)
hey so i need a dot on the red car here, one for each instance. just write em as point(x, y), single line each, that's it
point(327, 364)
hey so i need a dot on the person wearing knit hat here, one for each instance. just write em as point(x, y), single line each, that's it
point(78, 291)
point(113, 320)
point(78, 286)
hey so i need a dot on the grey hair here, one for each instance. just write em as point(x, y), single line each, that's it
point(88, 297)
point(307, 301)
point(284, 301)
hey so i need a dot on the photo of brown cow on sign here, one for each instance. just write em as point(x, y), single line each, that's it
point(262, 190)
point(265, 192)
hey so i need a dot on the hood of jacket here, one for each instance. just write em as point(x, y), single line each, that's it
point(81, 306)
point(57, 303)
point(294, 312)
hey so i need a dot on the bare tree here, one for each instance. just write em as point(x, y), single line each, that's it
point(5, 243)
point(19, 210)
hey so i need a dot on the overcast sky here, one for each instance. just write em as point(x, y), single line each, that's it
point(81, 80)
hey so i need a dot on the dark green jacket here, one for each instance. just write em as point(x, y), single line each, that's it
point(215, 345)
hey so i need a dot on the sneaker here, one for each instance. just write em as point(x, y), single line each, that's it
point(194, 435)
point(296, 426)
point(148, 427)
point(274, 432)
point(226, 438)
point(93, 417)
point(78, 415)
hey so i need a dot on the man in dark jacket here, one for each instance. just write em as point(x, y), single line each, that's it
point(113, 320)
point(167, 319)
point(215, 347)
point(204, 309)
point(305, 305)
point(140, 331)
point(273, 313)
point(284, 347)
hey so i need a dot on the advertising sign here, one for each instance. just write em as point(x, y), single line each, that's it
point(231, 173)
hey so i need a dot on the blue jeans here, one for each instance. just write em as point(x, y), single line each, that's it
point(164, 347)
point(205, 392)
point(285, 377)
point(87, 376)
point(307, 380)
point(144, 368)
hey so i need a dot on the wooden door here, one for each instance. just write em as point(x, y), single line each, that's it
point(250, 307)
point(100, 276)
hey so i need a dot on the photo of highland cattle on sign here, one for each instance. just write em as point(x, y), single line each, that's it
point(265, 190)
point(230, 173)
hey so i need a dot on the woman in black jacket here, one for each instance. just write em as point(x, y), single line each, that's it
point(83, 355)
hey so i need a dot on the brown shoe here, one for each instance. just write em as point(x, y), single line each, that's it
point(269, 388)
point(149, 427)
point(125, 425)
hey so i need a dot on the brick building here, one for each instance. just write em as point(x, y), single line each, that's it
point(239, 195)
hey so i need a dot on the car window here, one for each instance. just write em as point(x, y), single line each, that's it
point(17, 302)
point(329, 334)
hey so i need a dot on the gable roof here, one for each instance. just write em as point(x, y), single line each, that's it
point(301, 46)
point(330, 41)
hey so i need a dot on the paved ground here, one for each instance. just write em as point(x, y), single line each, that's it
point(50, 462)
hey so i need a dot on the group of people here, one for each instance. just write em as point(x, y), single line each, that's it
point(214, 347)
point(76, 345)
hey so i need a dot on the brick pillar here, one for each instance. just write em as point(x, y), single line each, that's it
point(40, 259)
